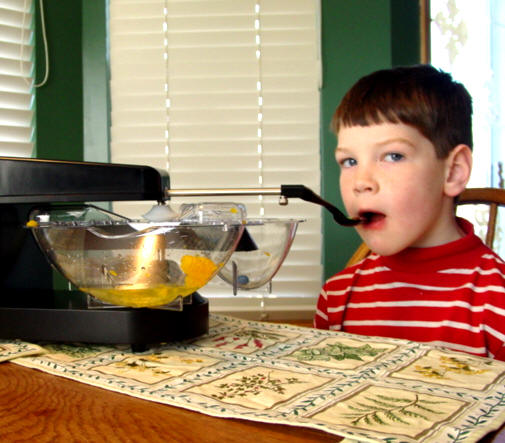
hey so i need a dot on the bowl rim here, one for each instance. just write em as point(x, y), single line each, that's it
point(263, 221)
point(140, 224)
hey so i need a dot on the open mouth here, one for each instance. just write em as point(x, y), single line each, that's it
point(369, 217)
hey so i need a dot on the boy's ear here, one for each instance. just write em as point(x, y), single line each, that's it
point(458, 169)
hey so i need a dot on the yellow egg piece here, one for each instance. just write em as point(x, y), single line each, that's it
point(198, 270)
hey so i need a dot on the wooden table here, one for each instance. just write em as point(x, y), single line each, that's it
point(39, 407)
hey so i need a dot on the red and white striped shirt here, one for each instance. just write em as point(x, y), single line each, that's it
point(451, 295)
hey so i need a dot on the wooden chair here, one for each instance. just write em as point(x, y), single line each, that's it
point(493, 197)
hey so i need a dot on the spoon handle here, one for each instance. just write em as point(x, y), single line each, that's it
point(304, 193)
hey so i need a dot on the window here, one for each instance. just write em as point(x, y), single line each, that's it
point(225, 94)
point(16, 78)
point(468, 40)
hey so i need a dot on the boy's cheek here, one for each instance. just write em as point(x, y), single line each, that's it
point(345, 185)
point(346, 195)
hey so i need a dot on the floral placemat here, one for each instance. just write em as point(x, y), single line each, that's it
point(15, 349)
point(364, 388)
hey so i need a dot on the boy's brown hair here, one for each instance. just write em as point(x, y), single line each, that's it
point(420, 96)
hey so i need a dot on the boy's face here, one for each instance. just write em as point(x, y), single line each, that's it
point(390, 174)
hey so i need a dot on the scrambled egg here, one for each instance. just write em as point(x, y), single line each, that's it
point(198, 270)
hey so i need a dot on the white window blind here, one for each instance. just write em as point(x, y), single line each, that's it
point(225, 94)
point(16, 78)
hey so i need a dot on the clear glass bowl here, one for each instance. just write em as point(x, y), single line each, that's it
point(265, 251)
point(134, 263)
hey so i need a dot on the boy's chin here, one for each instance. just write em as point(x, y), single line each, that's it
point(385, 250)
point(387, 253)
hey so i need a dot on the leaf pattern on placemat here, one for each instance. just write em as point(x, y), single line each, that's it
point(337, 351)
point(17, 348)
point(340, 354)
point(452, 369)
point(259, 387)
point(254, 384)
point(392, 410)
point(245, 340)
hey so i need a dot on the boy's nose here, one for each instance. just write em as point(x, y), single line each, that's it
point(365, 182)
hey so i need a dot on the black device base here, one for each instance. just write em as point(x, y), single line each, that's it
point(63, 317)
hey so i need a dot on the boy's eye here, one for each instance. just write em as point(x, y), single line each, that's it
point(347, 162)
point(393, 157)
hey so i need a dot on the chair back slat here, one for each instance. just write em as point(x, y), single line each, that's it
point(493, 197)
point(491, 224)
point(482, 195)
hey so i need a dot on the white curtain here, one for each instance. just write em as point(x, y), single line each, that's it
point(468, 40)
point(16, 78)
point(225, 94)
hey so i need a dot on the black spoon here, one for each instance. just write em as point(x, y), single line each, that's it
point(301, 191)
point(287, 191)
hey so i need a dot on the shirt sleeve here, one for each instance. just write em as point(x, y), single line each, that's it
point(500, 354)
point(494, 313)
point(321, 317)
point(494, 328)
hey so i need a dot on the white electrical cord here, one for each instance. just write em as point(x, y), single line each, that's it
point(44, 38)
point(46, 48)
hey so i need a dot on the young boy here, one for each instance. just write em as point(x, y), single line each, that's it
point(404, 150)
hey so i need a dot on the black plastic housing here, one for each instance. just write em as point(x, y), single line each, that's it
point(29, 307)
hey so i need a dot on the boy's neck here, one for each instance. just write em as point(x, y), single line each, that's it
point(445, 229)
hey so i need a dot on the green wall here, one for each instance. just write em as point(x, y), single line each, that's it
point(358, 36)
point(59, 115)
